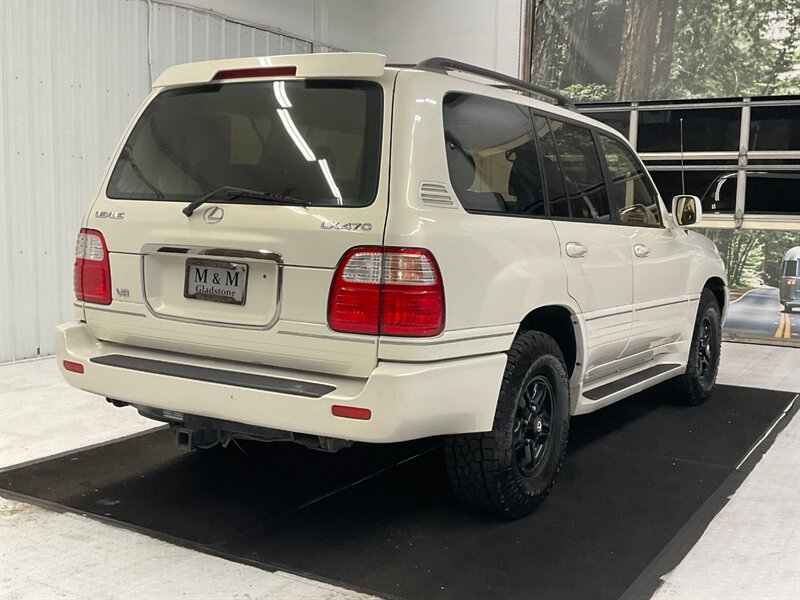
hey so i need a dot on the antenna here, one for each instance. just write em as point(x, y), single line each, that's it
point(683, 179)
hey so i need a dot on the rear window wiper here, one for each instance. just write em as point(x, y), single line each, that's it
point(229, 193)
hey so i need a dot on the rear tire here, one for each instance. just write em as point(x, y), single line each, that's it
point(696, 383)
point(509, 470)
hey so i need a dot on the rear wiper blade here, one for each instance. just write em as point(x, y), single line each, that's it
point(230, 192)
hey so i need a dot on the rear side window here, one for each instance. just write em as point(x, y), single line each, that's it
point(317, 141)
point(491, 155)
point(583, 175)
point(633, 194)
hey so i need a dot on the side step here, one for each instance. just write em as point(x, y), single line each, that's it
point(608, 389)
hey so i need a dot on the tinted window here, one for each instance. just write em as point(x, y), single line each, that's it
point(621, 121)
point(698, 183)
point(635, 198)
point(706, 129)
point(554, 180)
point(491, 155)
point(583, 175)
point(790, 268)
point(315, 140)
point(775, 128)
point(772, 193)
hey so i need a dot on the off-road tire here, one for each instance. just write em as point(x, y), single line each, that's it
point(695, 385)
point(487, 470)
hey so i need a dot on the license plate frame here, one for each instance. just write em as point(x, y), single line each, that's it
point(238, 295)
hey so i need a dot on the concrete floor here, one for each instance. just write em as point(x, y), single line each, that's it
point(751, 549)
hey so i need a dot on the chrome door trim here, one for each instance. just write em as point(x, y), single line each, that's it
point(220, 253)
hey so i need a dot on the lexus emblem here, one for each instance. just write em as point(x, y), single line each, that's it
point(213, 215)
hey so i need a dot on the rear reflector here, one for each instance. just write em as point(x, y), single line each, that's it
point(255, 72)
point(387, 291)
point(92, 272)
point(352, 412)
point(74, 367)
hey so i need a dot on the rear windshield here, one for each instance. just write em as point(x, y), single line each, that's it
point(317, 141)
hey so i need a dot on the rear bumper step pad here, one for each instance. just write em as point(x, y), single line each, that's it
point(265, 383)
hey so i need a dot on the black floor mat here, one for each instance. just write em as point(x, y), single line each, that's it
point(371, 519)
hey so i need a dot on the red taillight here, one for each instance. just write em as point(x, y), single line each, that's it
point(92, 273)
point(255, 72)
point(74, 367)
point(351, 412)
point(387, 291)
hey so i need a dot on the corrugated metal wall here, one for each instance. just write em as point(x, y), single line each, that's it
point(72, 73)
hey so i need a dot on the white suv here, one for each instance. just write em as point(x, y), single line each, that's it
point(326, 249)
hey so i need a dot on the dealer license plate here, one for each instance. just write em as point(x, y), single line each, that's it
point(215, 281)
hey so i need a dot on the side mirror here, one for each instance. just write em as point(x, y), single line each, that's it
point(686, 210)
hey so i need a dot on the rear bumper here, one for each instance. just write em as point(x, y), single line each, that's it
point(407, 400)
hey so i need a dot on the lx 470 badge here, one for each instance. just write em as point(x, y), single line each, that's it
point(346, 226)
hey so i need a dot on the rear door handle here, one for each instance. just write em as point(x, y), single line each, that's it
point(641, 250)
point(576, 250)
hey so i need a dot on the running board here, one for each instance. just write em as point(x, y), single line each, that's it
point(629, 381)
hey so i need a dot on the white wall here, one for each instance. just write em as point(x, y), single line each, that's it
point(483, 32)
point(71, 75)
point(72, 72)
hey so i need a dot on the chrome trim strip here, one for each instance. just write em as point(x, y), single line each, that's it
point(616, 314)
point(112, 310)
point(328, 337)
point(209, 251)
point(664, 304)
point(467, 339)
point(624, 312)
point(212, 252)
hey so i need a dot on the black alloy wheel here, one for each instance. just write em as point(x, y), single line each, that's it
point(533, 424)
point(706, 357)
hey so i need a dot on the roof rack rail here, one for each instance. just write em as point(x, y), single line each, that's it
point(443, 65)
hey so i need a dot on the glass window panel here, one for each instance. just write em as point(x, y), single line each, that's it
point(316, 140)
point(772, 192)
point(701, 184)
point(583, 175)
point(491, 155)
point(775, 128)
point(621, 121)
point(704, 130)
point(636, 200)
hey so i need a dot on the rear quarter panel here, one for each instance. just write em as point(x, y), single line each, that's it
point(495, 269)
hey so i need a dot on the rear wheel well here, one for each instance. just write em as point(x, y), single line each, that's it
point(555, 321)
point(717, 287)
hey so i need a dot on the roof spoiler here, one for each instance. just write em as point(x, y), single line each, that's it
point(328, 64)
